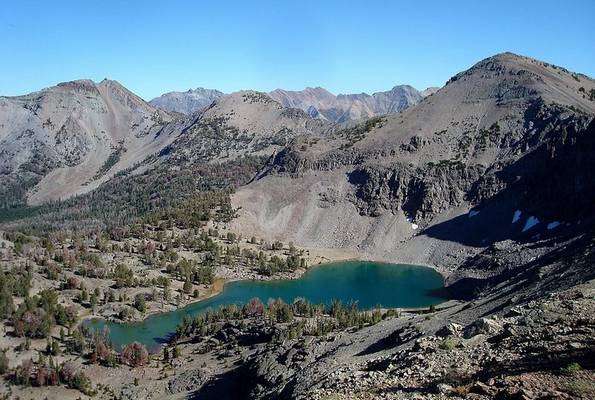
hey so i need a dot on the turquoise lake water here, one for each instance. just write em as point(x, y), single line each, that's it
point(371, 284)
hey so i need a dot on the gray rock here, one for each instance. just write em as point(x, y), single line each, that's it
point(486, 326)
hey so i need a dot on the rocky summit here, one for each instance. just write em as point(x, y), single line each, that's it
point(186, 102)
point(117, 212)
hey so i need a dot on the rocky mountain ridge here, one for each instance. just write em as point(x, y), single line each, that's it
point(485, 141)
point(236, 125)
point(320, 103)
point(317, 102)
point(105, 129)
point(70, 136)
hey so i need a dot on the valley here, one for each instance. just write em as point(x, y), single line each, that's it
point(174, 253)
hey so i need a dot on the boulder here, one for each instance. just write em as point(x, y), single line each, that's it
point(486, 326)
point(452, 329)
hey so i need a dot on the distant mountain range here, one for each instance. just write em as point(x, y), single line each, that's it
point(186, 102)
point(72, 138)
point(317, 102)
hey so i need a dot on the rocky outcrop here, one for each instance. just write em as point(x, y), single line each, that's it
point(419, 192)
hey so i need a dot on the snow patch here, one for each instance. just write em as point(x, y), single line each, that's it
point(553, 225)
point(531, 222)
point(473, 213)
point(414, 226)
point(516, 216)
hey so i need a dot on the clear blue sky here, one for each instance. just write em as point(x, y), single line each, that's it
point(344, 46)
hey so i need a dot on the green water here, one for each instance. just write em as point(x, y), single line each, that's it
point(369, 283)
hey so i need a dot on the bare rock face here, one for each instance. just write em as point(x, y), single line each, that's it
point(189, 380)
point(429, 91)
point(485, 326)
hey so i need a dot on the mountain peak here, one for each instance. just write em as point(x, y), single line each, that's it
point(187, 102)
point(78, 84)
point(111, 83)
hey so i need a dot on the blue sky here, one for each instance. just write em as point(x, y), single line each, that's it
point(347, 47)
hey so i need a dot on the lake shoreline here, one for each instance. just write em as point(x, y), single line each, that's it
point(314, 256)
point(371, 285)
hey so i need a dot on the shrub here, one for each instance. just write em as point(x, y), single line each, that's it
point(187, 286)
point(572, 368)
point(75, 379)
point(72, 283)
point(123, 276)
point(135, 355)
point(254, 308)
point(448, 344)
point(280, 311)
point(22, 374)
point(231, 237)
point(140, 303)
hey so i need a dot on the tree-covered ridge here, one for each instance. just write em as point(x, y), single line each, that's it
point(129, 196)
